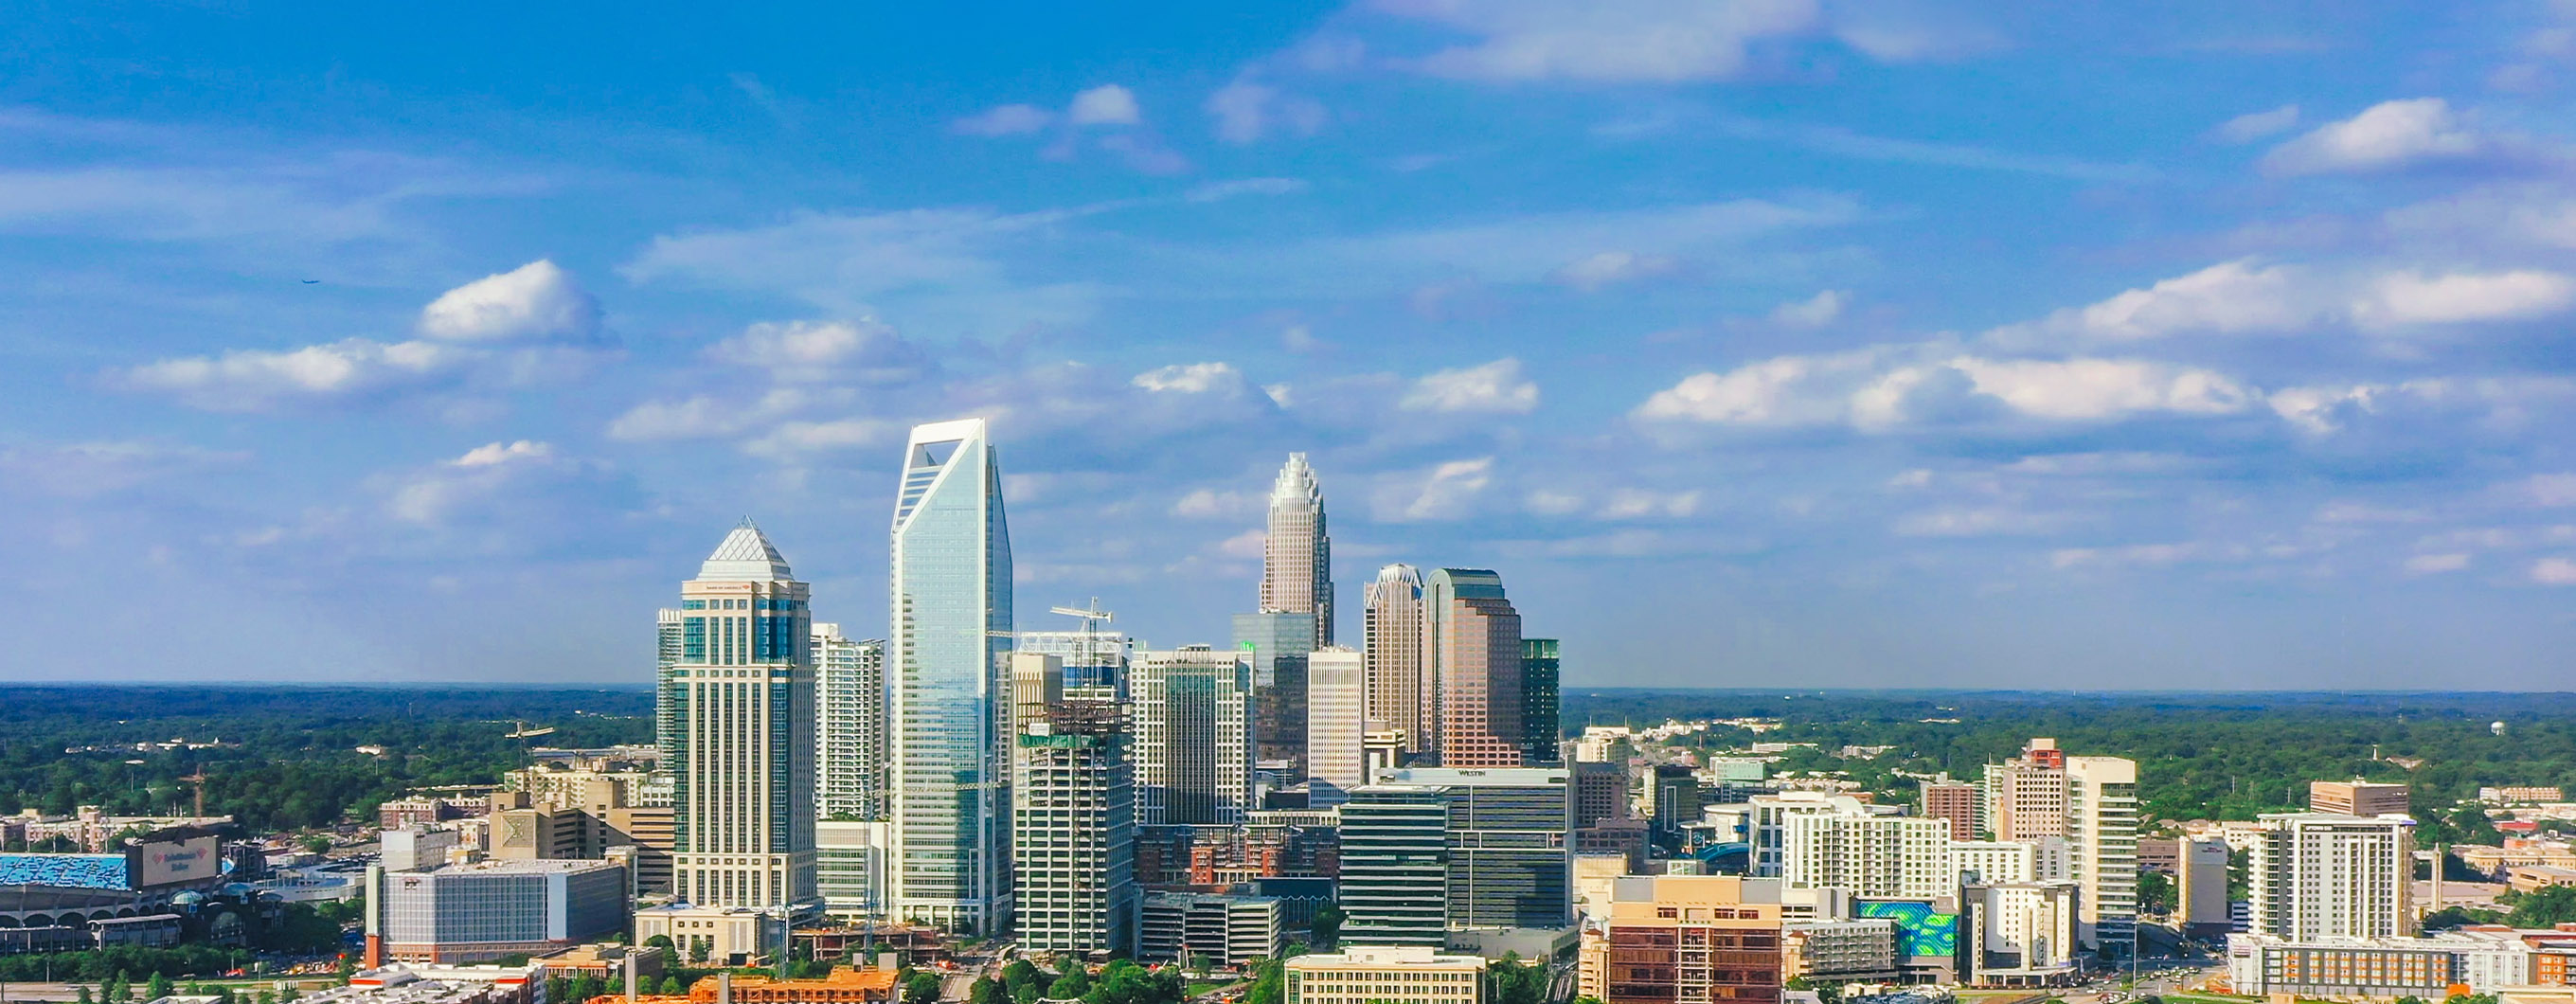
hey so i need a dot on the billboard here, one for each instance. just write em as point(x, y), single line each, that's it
point(1922, 932)
point(174, 857)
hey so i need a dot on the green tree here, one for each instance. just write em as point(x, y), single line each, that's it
point(318, 844)
point(1072, 985)
point(1327, 928)
point(1509, 981)
point(1020, 973)
point(2547, 906)
point(2155, 893)
point(985, 991)
point(81, 995)
point(922, 988)
point(157, 987)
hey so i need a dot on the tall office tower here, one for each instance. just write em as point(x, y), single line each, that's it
point(744, 790)
point(1297, 556)
point(2102, 844)
point(1391, 655)
point(850, 726)
point(670, 702)
point(1510, 862)
point(1073, 824)
point(1540, 729)
point(1394, 856)
point(1702, 939)
point(2316, 875)
point(951, 626)
point(1193, 741)
point(1600, 792)
point(1955, 801)
point(2200, 897)
point(1472, 650)
point(1869, 854)
point(1278, 644)
point(2357, 798)
point(1336, 724)
point(2026, 795)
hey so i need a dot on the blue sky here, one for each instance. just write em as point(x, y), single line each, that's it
point(1852, 344)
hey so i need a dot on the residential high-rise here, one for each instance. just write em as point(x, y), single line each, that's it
point(1297, 555)
point(670, 701)
point(1472, 651)
point(1395, 853)
point(743, 796)
point(2357, 798)
point(1391, 655)
point(1193, 740)
point(850, 726)
point(1277, 644)
point(1073, 830)
point(1336, 723)
point(1955, 801)
point(2102, 845)
point(1510, 863)
point(1712, 939)
point(1869, 854)
point(2026, 796)
point(2316, 875)
point(1540, 729)
point(950, 625)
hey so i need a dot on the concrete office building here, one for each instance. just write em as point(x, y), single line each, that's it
point(1954, 801)
point(2320, 875)
point(1073, 831)
point(2200, 895)
point(1510, 863)
point(1193, 738)
point(2357, 798)
point(2026, 795)
point(2020, 933)
point(1999, 862)
point(950, 622)
point(1225, 930)
point(850, 861)
point(1877, 856)
point(850, 726)
point(1472, 652)
point(1336, 723)
point(743, 788)
point(1297, 553)
point(1364, 975)
point(1394, 854)
point(1600, 792)
point(1541, 729)
point(489, 909)
point(1669, 939)
point(2102, 846)
point(1399, 692)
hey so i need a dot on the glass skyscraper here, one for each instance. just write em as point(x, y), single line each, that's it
point(950, 629)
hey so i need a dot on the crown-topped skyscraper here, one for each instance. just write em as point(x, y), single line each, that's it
point(1297, 556)
point(743, 768)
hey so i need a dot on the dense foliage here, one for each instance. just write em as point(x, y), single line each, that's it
point(2200, 756)
point(288, 757)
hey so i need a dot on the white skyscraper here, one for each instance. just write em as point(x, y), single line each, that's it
point(950, 628)
point(744, 777)
point(1869, 854)
point(850, 726)
point(1399, 697)
point(1336, 723)
point(2319, 875)
point(2102, 845)
point(1297, 555)
point(1193, 741)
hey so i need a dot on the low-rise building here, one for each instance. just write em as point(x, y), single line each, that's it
point(1694, 938)
point(488, 909)
point(1225, 930)
point(1838, 951)
point(1364, 975)
point(427, 984)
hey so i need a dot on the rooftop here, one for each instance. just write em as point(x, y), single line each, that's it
point(745, 556)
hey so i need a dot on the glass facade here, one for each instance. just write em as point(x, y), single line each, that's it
point(951, 620)
point(1540, 728)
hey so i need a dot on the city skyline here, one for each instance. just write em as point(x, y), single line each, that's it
point(1864, 345)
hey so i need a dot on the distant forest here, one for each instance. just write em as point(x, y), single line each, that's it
point(289, 756)
point(2200, 756)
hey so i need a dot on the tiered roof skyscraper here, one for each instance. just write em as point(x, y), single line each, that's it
point(1297, 556)
point(1391, 657)
point(744, 774)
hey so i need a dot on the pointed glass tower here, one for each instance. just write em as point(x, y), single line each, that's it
point(743, 766)
point(949, 634)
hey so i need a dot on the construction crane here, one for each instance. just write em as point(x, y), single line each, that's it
point(1092, 616)
point(197, 781)
point(524, 732)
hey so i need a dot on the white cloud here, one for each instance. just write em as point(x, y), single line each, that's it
point(91, 469)
point(2409, 298)
point(1655, 41)
point(948, 259)
point(1246, 111)
point(1005, 120)
point(2252, 126)
point(2552, 490)
point(1813, 312)
point(489, 454)
point(1609, 268)
point(1554, 503)
point(2102, 388)
point(1788, 390)
point(537, 300)
point(2147, 555)
point(1639, 503)
point(2428, 564)
point(1217, 191)
point(1443, 492)
point(260, 380)
point(2236, 297)
point(1984, 521)
point(790, 439)
point(1495, 387)
point(1876, 389)
point(864, 351)
point(1190, 378)
point(1248, 545)
point(2554, 572)
point(1107, 104)
point(2492, 402)
point(1207, 503)
point(2388, 135)
point(702, 416)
